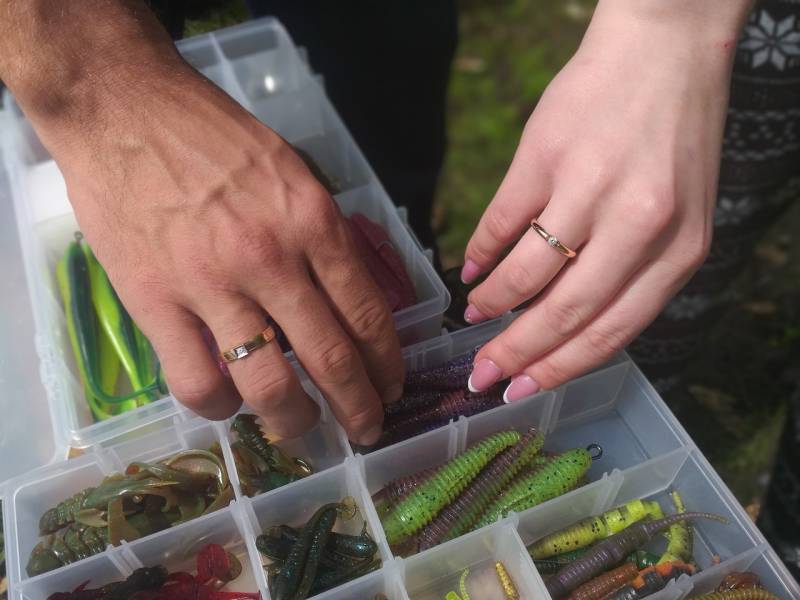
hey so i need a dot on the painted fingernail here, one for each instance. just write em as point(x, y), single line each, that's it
point(470, 271)
point(472, 315)
point(371, 437)
point(519, 388)
point(393, 393)
point(484, 375)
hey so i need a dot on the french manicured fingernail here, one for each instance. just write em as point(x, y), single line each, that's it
point(472, 315)
point(484, 375)
point(519, 388)
point(470, 271)
point(393, 393)
point(371, 437)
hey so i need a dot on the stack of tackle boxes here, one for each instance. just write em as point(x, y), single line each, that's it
point(646, 453)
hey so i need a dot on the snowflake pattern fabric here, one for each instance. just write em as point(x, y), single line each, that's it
point(759, 176)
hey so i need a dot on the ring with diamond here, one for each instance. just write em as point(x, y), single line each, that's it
point(552, 240)
point(247, 348)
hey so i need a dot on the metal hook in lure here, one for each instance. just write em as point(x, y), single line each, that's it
point(595, 451)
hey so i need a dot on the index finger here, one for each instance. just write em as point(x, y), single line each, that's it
point(521, 196)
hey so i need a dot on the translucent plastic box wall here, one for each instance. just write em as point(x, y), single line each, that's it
point(646, 454)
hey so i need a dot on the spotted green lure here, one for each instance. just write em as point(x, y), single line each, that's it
point(557, 477)
point(680, 537)
point(458, 517)
point(424, 503)
point(588, 531)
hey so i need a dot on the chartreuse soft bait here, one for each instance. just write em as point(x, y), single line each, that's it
point(96, 326)
point(588, 531)
point(420, 507)
point(680, 544)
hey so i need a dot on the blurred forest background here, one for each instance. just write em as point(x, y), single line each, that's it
point(509, 50)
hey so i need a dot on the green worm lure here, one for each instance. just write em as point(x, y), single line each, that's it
point(424, 503)
point(557, 477)
point(588, 531)
point(681, 543)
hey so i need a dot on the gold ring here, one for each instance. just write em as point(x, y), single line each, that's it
point(551, 239)
point(248, 347)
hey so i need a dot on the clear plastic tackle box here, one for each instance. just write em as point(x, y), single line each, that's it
point(646, 452)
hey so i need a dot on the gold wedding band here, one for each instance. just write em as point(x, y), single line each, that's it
point(551, 240)
point(248, 347)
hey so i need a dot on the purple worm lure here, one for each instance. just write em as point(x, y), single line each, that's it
point(451, 375)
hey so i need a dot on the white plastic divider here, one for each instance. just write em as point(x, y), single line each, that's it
point(430, 575)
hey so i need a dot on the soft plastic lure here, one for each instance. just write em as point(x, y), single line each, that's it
point(612, 551)
point(459, 516)
point(680, 537)
point(650, 580)
point(397, 489)
point(509, 589)
point(602, 585)
point(588, 531)
point(560, 475)
point(738, 595)
point(424, 503)
point(453, 374)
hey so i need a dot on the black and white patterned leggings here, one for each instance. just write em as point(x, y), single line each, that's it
point(759, 177)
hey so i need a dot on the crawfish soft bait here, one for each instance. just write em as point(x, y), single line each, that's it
point(557, 477)
point(613, 550)
point(75, 542)
point(680, 537)
point(747, 594)
point(602, 585)
point(459, 516)
point(424, 503)
point(509, 589)
point(588, 531)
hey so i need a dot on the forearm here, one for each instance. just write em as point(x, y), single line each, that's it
point(700, 35)
point(73, 63)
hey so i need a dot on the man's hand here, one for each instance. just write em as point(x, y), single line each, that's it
point(619, 161)
point(202, 215)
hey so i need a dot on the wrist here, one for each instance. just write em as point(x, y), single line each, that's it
point(709, 20)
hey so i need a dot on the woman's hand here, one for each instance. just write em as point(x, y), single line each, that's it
point(619, 161)
point(201, 215)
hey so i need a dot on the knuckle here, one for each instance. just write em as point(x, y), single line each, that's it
point(267, 386)
point(604, 342)
point(550, 372)
point(563, 317)
point(656, 211)
point(508, 355)
point(371, 318)
point(337, 362)
point(364, 417)
point(257, 248)
point(498, 229)
point(195, 390)
point(520, 279)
